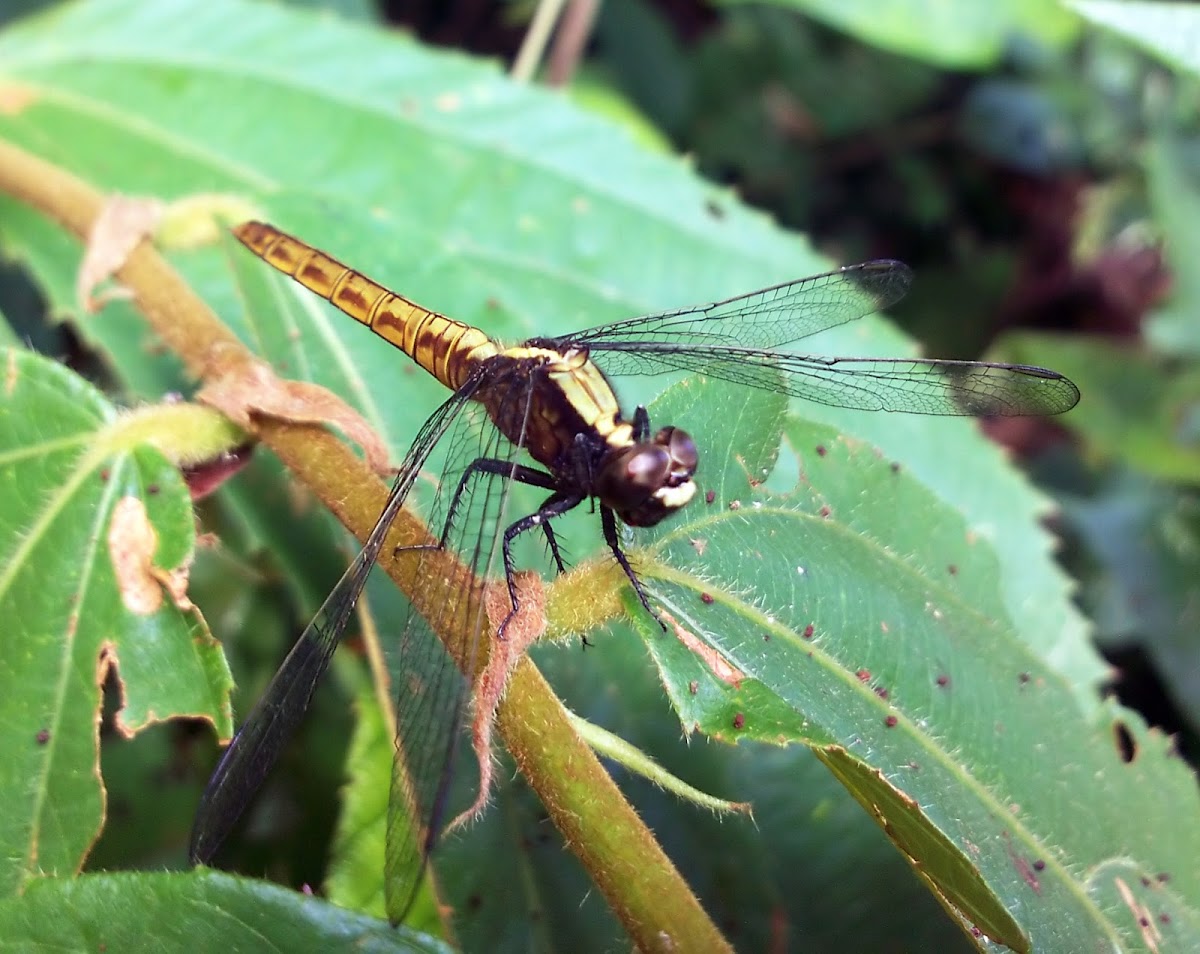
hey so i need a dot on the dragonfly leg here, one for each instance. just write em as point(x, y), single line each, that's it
point(641, 426)
point(552, 540)
point(498, 468)
point(608, 523)
point(554, 506)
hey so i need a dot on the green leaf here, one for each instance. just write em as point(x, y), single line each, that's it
point(72, 469)
point(190, 913)
point(952, 35)
point(611, 746)
point(859, 614)
point(1166, 30)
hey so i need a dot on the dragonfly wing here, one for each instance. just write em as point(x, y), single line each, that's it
point(763, 319)
point(910, 385)
point(440, 641)
point(258, 744)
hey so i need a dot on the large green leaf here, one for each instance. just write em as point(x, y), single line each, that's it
point(952, 35)
point(73, 471)
point(188, 913)
point(861, 617)
point(506, 207)
point(1168, 30)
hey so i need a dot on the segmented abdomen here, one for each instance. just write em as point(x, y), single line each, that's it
point(447, 349)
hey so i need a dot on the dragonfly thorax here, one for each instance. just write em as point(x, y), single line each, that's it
point(647, 481)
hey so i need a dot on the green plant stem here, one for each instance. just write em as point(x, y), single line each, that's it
point(645, 890)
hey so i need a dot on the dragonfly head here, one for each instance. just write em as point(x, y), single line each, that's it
point(649, 480)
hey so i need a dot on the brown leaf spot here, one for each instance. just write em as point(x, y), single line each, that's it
point(255, 389)
point(1151, 936)
point(1024, 868)
point(720, 667)
point(123, 223)
point(132, 542)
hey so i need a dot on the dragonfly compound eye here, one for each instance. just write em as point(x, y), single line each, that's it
point(645, 468)
point(649, 481)
point(682, 450)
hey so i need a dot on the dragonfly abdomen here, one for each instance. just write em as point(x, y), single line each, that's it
point(447, 349)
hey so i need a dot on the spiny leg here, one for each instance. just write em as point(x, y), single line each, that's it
point(498, 468)
point(554, 506)
point(641, 424)
point(608, 523)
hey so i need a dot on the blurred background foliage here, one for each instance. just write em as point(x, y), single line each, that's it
point(1039, 171)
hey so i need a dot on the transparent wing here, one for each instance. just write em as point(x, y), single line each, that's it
point(911, 385)
point(441, 638)
point(763, 319)
point(734, 340)
point(257, 746)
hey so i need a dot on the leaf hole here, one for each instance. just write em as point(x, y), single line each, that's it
point(1126, 746)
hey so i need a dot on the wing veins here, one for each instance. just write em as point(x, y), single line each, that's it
point(430, 721)
point(766, 318)
point(259, 742)
point(910, 385)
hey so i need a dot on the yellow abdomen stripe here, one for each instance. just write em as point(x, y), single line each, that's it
point(445, 348)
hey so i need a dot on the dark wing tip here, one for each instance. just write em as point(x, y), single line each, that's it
point(1063, 396)
point(1016, 395)
point(884, 279)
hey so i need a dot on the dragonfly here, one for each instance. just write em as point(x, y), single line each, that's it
point(544, 414)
